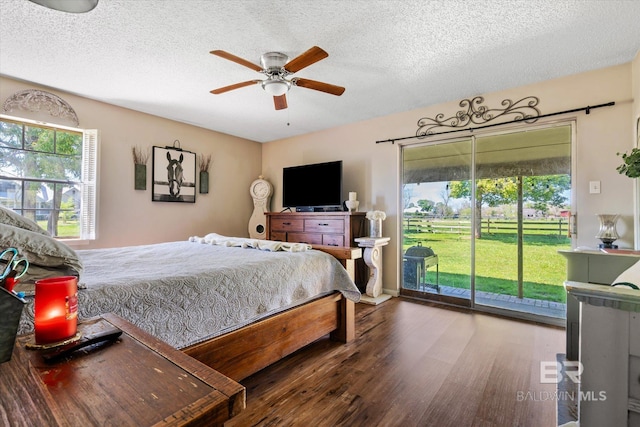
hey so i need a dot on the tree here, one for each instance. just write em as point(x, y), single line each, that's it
point(47, 157)
point(541, 191)
point(445, 194)
point(546, 191)
point(441, 209)
point(426, 205)
point(407, 193)
point(489, 192)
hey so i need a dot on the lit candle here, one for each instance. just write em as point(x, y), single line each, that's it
point(352, 196)
point(56, 309)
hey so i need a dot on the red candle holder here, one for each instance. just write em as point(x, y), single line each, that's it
point(56, 309)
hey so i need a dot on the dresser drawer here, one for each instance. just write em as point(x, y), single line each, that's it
point(333, 239)
point(324, 225)
point(310, 238)
point(287, 224)
point(280, 236)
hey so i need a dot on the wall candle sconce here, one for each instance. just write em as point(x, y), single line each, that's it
point(140, 158)
point(204, 163)
point(56, 309)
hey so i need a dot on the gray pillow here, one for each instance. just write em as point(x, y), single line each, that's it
point(9, 217)
point(40, 250)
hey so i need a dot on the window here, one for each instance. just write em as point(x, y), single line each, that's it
point(48, 174)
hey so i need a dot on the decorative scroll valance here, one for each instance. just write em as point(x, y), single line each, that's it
point(33, 100)
point(523, 110)
point(477, 114)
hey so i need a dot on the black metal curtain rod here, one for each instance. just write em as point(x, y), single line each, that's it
point(587, 109)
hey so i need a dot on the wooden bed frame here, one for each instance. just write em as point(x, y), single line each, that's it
point(245, 351)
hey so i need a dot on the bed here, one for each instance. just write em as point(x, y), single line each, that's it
point(259, 302)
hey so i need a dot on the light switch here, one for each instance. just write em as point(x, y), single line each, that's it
point(594, 187)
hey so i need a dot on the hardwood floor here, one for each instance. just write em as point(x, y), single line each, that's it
point(412, 364)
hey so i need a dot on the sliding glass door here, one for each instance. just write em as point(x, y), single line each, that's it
point(436, 246)
point(484, 217)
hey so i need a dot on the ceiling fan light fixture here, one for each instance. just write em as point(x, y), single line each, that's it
point(71, 6)
point(276, 87)
point(273, 60)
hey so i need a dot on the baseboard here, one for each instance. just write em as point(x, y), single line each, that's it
point(392, 292)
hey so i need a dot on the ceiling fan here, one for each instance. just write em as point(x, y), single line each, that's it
point(277, 70)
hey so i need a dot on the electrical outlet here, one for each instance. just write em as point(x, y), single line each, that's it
point(594, 187)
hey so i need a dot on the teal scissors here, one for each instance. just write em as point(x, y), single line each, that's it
point(16, 266)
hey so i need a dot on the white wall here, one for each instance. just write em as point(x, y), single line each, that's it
point(372, 169)
point(129, 217)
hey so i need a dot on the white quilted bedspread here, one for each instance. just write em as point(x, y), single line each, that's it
point(187, 292)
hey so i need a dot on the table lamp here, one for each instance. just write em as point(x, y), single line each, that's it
point(56, 309)
point(607, 232)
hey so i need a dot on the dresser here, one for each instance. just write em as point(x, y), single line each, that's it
point(321, 228)
point(609, 386)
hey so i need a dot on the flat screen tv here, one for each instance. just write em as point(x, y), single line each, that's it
point(315, 187)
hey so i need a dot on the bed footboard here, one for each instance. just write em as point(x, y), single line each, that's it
point(346, 255)
point(243, 352)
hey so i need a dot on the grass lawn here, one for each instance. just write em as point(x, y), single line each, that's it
point(496, 262)
point(65, 229)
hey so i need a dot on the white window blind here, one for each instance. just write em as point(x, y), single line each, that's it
point(89, 184)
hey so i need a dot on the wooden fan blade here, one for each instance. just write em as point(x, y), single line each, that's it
point(280, 102)
point(305, 59)
point(236, 59)
point(234, 86)
point(322, 87)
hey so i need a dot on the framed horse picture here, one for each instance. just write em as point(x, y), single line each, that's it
point(174, 175)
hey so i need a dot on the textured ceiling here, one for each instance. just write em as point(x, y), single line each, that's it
point(392, 56)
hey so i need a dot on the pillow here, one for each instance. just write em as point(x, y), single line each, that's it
point(26, 284)
point(630, 278)
point(40, 250)
point(9, 217)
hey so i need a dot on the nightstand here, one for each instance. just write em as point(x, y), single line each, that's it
point(136, 380)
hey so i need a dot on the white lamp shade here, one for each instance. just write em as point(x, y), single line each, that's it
point(275, 87)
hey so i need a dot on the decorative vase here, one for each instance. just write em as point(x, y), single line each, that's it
point(352, 205)
point(204, 182)
point(607, 232)
point(140, 178)
point(375, 228)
